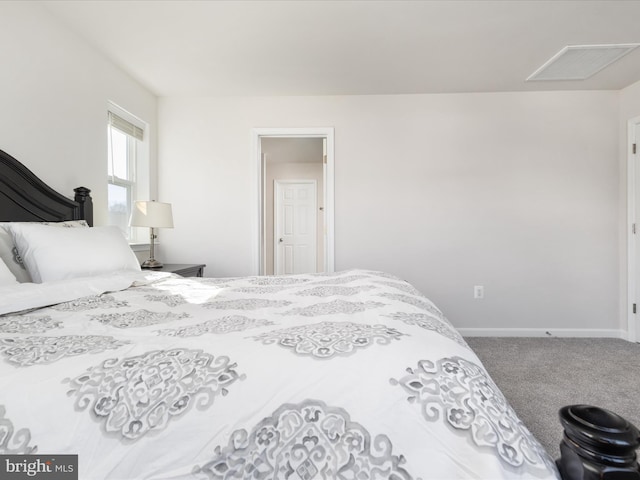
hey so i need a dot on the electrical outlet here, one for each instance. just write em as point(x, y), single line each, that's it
point(478, 291)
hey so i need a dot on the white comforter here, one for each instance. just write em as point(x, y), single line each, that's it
point(354, 375)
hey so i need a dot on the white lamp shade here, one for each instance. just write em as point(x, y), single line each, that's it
point(152, 214)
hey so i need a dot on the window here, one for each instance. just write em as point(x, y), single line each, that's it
point(128, 169)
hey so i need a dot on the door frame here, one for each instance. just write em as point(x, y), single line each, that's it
point(276, 216)
point(633, 333)
point(258, 244)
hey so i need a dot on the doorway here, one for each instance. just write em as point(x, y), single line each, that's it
point(290, 156)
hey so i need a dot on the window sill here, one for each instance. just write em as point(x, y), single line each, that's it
point(140, 247)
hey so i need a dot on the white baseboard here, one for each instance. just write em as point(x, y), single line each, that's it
point(543, 332)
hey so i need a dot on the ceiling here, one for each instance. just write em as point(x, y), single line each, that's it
point(211, 48)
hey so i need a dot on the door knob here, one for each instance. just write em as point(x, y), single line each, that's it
point(280, 241)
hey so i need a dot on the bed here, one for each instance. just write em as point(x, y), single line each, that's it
point(148, 375)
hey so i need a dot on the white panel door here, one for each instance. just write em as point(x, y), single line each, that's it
point(295, 226)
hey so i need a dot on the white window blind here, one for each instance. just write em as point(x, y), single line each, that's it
point(126, 126)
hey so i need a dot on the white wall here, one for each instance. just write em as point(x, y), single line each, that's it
point(514, 191)
point(54, 90)
point(629, 104)
point(520, 192)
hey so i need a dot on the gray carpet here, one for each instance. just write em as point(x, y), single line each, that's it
point(538, 376)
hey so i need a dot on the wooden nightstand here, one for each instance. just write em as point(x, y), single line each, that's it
point(184, 269)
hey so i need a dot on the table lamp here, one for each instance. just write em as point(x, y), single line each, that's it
point(154, 215)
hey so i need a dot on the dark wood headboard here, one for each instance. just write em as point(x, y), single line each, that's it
point(26, 198)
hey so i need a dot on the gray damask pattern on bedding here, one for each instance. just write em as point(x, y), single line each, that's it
point(12, 441)
point(320, 376)
point(460, 392)
point(233, 323)
point(90, 303)
point(136, 395)
point(28, 351)
point(329, 339)
point(27, 324)
point(305, 441)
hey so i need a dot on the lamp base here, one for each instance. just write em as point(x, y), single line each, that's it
point(151, 263)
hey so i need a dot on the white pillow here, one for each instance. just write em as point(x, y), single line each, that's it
point(9, 254)
point(60, 253)
point(6, 277)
